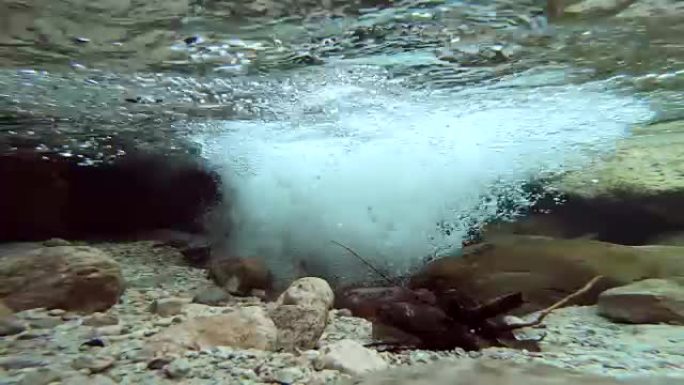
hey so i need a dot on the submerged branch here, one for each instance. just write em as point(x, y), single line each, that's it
point(370, 265)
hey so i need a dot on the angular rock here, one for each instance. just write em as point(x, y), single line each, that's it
point(241, 275)
point(78, 278)
point(545, 270)
point(349, 356)
point(645, 302)
point(308, 291)
point(246, 328)
point(299, 326)
point(494, 372)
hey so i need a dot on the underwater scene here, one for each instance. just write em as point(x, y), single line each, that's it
point(368, 192)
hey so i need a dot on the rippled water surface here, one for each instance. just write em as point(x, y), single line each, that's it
point(364, 121)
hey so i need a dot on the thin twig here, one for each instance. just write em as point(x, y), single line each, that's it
point(562, 302)
point(360, 258)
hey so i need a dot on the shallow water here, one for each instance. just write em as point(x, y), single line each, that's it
point(392, 127)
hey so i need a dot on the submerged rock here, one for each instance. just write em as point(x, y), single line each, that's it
point(241, 275)
point(493, 372)
point(308, 291)
point(642, 176)
point(647, 301)
point(167, 307)
point(597, 7)
point(545, 269)
point(77, 278)
point(212, 296)
point(349, 356)
point(299, 326)
point(246, 328)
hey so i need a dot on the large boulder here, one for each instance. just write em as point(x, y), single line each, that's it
point(244, 328)
point(647, 301)
point(547, 269)
point(75, 278)
point(493, 372)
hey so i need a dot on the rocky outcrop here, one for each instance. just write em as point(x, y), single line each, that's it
point(547, 269)
point(641, 177)
point(491, 372)
point(245, 328)
point(241, 275)
point(77, 278)
point(301, 313)
point(647, 301)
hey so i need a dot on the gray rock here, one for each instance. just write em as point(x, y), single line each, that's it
point(42, 376)
point(166, 307)
point(45, 323)
point(10, 326)
point(89, 380)
point(92, 363)
point(647, 301)
point(178, 368)
point(21, 362)
point(349, 356)
point(212, 296)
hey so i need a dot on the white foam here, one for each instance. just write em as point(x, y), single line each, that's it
point(377, 166)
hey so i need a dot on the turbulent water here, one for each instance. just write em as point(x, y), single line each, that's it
point(393, 127)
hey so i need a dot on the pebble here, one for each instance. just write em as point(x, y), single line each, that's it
point(166, 307)
point(101, 319)
point(93, 364)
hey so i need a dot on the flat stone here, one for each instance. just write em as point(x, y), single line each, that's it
point(45, 323)
point(349, 356)
point(42, 376)
point(167, 307)
point(10, 326)
point(21, 362)
point(648, 301)
point(93, 364)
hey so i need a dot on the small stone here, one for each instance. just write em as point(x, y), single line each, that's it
point(56, 312)
point(54, 242)
point(349, 356)
point(21, 362)
point(344, 313)
point(42, 376)
point(158, 363)
point(288, 375)
point(10, 326)
point(45, 323)
point(69, 316)
point(100, 319)
point(167, 307)
point(93, 364)
point(178, 368)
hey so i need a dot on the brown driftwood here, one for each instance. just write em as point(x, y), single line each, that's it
point(444, 320)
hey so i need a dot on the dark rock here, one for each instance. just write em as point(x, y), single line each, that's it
point(94, 342)
point(212, 296)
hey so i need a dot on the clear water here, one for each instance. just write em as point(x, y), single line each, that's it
point(336, 120)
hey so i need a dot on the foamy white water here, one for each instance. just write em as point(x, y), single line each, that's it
point(376, 166)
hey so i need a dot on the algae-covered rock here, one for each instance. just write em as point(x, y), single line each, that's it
point(645, 172)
